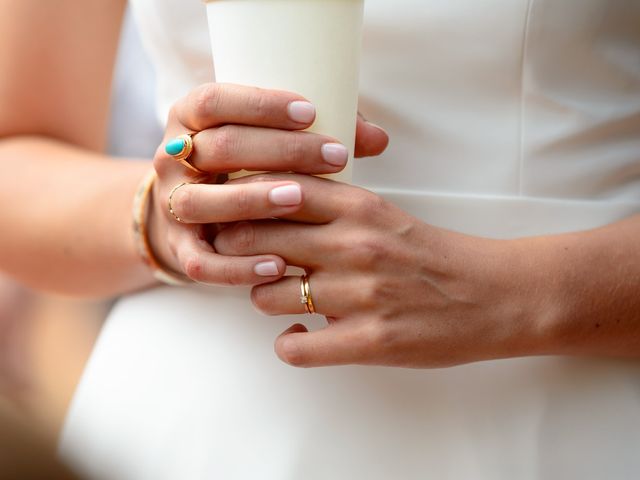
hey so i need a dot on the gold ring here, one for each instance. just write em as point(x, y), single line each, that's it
point(175, 189)
point(305, 295)
point(181, 149)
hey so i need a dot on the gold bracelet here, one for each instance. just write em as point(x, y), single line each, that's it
point(141, 235)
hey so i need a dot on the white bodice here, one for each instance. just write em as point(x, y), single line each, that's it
point(531, 103)
point(507, 118)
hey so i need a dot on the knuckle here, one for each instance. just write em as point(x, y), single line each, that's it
point(366, 205)
point(241, 201)
point(232, 274)
point(294, 150)
point(259, 178)
point(223, 144)
point(374, 293)
point(244, 236)
point(193, 268)
point(173, 116)
point(200, 102)
point(370, 252)
point(206, 100)
point(161, 162)
point(183, 203)
point(260, 103)
point(367, 296)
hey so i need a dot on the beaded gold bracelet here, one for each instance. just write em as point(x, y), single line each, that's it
point(141, 235)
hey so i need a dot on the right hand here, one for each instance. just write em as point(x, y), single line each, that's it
point(238, 128)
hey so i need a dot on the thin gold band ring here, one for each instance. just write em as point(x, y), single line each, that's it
point(171, 211)
point(305, 295)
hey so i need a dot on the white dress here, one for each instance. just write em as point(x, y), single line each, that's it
point(507, 118)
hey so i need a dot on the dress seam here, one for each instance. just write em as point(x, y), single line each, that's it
point(523, 85)
point(501, 197)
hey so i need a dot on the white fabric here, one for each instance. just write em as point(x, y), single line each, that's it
point(507, 118)
point(132, 131)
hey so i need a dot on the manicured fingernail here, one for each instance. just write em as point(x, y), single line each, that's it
point(286, 196)
point(266, 269)
point(302, 112)
point(335, 154)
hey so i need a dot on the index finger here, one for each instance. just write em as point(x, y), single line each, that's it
point(324, 200)
point(215, 104)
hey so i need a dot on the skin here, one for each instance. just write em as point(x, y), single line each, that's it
point(14, 303)
point(399, 292)
point(395, 290)
point(238, 128)
point(74, 237)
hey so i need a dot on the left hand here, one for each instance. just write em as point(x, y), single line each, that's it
point(395, 290)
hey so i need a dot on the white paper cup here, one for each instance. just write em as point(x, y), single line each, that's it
point(310, 47)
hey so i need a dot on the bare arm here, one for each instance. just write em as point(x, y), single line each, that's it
point(66, 208)
point(591, 286)
point(399, 292)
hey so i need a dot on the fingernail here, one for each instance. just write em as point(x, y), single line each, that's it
point(376, 126)
point(335, 154)
point(266, 269)
point(302, 112)
point(287, 196)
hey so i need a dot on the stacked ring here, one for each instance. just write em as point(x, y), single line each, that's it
point(305, 295)
point(181, 149)
point(171, 211)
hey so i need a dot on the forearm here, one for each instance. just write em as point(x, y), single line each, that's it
point(588, 290)
point(66, 218)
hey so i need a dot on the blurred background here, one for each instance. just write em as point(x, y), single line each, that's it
point(44, 344)
point(45, 340)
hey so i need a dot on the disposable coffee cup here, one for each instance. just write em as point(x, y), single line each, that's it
point(310, 47)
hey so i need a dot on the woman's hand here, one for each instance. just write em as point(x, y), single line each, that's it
point(65, 185)
point(238, 128)
point(395, 291)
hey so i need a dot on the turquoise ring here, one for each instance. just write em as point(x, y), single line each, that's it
point(181, 149)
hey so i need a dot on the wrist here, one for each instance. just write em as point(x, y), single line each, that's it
point(158, 226)
point(539, 290)
point(591, 292)
point(148, 229)
point(505, 287)
point(516, 301)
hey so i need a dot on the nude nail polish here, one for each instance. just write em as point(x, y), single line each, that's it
point(335, 154)
point(286, 196)
point(266, 269)
point(302, 112)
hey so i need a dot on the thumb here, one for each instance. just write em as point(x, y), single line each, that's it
point(371, 140)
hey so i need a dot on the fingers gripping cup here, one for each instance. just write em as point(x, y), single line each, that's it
point(310, 47)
